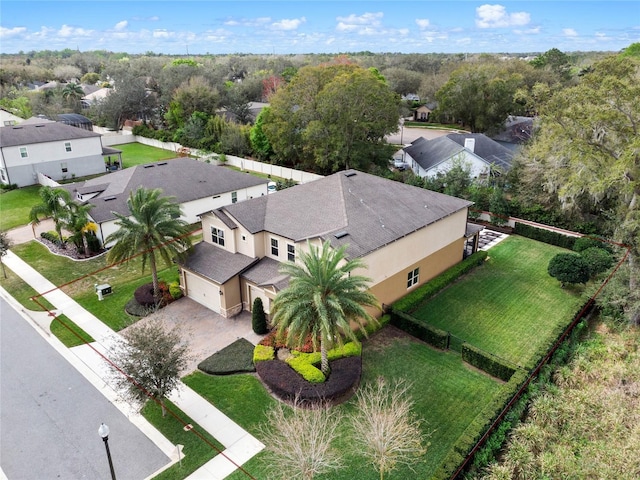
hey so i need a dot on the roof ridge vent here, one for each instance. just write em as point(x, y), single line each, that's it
point(341, 234)
point(106, 199)
point(350, 174)
point(150, 165)
point(162, 163)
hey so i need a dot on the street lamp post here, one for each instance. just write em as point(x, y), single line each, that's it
point(103, 431)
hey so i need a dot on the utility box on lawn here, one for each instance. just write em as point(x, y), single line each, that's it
point(102, 290)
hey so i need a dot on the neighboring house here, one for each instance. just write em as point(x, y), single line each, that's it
point(254, 109)
point(8, 119)
point(427, 158)
point(516, 131)
point(411, 97)
point(422, 113)
point(95, 97)
point(51, 148)
point(198, 187)
point(405, 235)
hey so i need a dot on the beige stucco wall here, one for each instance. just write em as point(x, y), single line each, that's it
point(231, 299)
point(394, 287)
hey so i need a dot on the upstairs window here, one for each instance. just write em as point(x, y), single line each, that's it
point(274, 247)
point(413, 277)
point(234, 197)
point(217, 236)
point(67, 146)
point(23, 152)
point(291, 252)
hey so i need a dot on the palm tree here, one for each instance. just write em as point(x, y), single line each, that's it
point(72, 91)
point(54, 204)
point(154, 226)
point(322, 300)
point(76, 221)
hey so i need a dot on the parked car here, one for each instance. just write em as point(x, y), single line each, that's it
point(399, 164)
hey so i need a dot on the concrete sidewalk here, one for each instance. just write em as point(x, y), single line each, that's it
point(90, 360)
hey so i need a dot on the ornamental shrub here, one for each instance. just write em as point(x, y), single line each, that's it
point(258, 317)
point(262, 353)
point(302, 365)
point(569, 268)
point(583, 243)
point(175, 291)
point(598, 260)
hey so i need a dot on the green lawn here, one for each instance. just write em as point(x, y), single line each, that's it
point(124, 279)
point(448, 396)
point(510, 306)
point(138, 154)
point(15, 206)
point(196, 451)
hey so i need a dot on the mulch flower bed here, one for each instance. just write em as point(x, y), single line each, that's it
point(68, 250)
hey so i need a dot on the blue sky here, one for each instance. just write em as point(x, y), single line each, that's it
point(314, 26)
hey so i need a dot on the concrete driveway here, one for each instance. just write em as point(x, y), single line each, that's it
point(206, 331)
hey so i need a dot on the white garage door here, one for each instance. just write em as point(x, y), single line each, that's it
point(256, 292)
point(203, 292)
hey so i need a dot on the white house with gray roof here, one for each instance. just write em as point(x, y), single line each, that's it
point(198, 187)
point(51, 148)
point(406, 235)
point(428, 158)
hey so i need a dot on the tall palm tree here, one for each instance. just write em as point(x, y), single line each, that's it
point(72, 91)
point(76, 222)
point(154, 226)
point(54, 204)
point(322, 300)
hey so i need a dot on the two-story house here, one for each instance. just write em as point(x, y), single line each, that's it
point(51, 148)
point(197, 186)
point(406, 235)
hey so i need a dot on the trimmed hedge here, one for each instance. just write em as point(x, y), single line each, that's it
point(546, 236)
point(476, 429)
point(304, 363)
point(305, 367)
point(486, 362)
point(411, 301)
point(262, 353)
point(421, 330)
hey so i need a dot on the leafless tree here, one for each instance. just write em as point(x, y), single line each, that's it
point(385, 430)
point(299, 440)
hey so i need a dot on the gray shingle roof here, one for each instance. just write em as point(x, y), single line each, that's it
point(430, 153)
point(216, 263)
point(22, 134)
point(185, 179)
point(267, 273)
point(371, 211)
point(490, 150)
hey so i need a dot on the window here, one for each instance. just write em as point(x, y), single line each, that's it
point(2, 174)
point(291, 252)
point(67, 146)
point(274, 247)
point(234, 197)
point(217, 236)
point(413, 277)
point(244, 238)
point(63, 166)
point(23, 152)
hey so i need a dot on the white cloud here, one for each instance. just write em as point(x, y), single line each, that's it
point(67, 31)
point(247, 22)
point(422, 23)
point(569, 32)
point(496, 16)
point(528, 31)
point(289, 23)
point(161, 34)
point(121, 25)
point(11, 32)
point(361, 23)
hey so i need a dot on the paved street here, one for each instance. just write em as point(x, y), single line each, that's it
point(50, 414)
